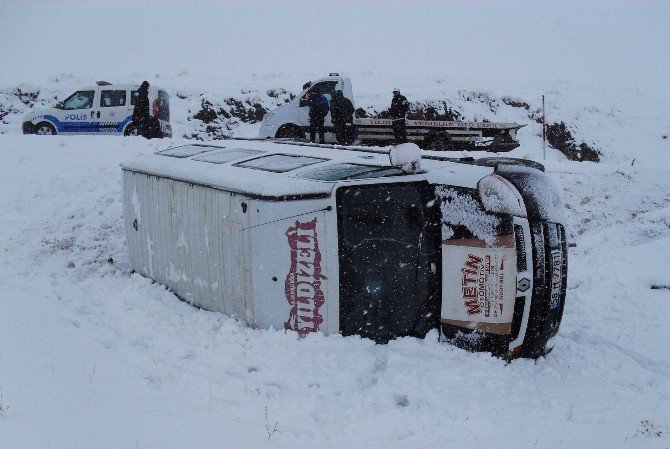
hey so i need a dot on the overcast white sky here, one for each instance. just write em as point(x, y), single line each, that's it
point(606, 44)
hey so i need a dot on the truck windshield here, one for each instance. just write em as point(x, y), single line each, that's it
point(386, 241)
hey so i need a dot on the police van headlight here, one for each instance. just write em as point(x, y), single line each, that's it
point(500, 196)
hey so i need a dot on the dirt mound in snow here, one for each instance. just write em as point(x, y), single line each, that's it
point(560, 137)
point(218, 119)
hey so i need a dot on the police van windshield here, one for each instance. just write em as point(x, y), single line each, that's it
point(82, 99)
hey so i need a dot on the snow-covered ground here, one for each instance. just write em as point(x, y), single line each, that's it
point(93, 357)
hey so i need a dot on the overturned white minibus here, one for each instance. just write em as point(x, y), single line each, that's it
point(339, 240)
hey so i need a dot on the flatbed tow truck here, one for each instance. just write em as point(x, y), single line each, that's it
point(291, 121)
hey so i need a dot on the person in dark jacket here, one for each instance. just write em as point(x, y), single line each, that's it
point(398, 110)
point(141, 117)
point(318, 110)
point(342, 115)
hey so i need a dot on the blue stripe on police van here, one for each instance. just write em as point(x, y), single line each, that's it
point(90, 127)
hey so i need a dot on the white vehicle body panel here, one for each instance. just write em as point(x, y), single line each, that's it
point(293, 285)
point(202, 253)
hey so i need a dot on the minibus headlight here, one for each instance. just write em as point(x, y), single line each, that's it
point(500, 196)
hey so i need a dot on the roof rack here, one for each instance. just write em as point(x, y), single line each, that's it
point(103, 83)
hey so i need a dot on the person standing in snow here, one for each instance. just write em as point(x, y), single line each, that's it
point(141, 117)
point(398, 111)
point(318, 110)
point(342, 115)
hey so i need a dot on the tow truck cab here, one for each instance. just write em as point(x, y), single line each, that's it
point(290, 120)
point(341, 241)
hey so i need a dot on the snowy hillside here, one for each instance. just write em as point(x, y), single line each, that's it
point(92, 356)
point(209, 115)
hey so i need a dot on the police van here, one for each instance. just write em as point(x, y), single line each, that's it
point(356, 240)
point(100, 109)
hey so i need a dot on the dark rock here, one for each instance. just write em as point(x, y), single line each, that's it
point(27, 98)
point(515, 103)
point(246, 111)
point(207, 114)
point(560, 137)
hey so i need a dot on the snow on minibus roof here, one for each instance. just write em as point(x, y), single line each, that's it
point(281, 170)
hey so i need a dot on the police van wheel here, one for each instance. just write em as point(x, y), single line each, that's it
point(441, 142)
point(45, 129)
point(131, 131)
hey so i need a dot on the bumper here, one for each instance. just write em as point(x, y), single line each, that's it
point(28, 128)
point(266, 131)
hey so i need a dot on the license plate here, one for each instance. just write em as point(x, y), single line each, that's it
point(556, 279)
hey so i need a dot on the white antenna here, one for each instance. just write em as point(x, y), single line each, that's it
point(544, 132)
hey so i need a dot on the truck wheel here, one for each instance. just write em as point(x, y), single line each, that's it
point(289, 132)
point(502, 143)
point(441, 142)
point(45, 129)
